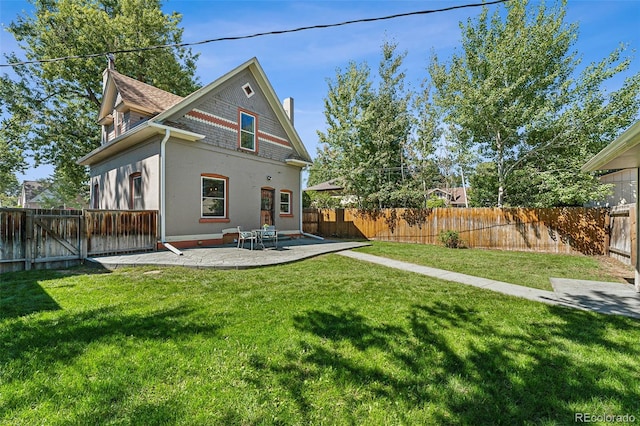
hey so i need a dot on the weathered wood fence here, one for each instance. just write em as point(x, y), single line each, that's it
point(622, 226)
point(555, 230)
point(40, 239)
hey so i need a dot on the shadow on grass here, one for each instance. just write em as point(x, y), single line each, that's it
point(21, 293)
point(68, 335)
point(466, 370)
point(108, 339)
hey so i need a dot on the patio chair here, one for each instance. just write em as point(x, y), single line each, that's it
point(270, 234)
point(244, 236)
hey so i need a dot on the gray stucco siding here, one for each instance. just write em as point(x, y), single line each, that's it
point(246, 174)
point(112, 176)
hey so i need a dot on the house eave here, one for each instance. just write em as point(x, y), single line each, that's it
point(134, 136)
point(297, 163)
point(623, 153)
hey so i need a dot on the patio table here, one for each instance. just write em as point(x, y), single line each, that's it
point(260, 235)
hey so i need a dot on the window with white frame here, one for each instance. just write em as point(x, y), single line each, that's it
point(135, 182)
point(214, 196)
point(96, 196)
point(285, 202)
point(247, 131)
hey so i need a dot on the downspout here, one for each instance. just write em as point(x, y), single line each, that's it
point(163, 204)
point(637, 265)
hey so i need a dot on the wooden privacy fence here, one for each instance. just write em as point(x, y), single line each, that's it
point(622, 226)
point(39, 239)
point(555, 230)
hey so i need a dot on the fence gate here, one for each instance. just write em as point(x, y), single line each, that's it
point(53, 236)
point(621, 233)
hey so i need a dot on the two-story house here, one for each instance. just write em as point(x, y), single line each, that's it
point(227, 155)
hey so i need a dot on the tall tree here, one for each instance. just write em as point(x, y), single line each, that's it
point(345, 106)
point(512, 92)
point(366, 143)
point(54, 105)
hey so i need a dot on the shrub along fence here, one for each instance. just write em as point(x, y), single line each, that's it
point(555, 230)
point(40, 239)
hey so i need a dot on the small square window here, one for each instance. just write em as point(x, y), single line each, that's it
point(248, 90)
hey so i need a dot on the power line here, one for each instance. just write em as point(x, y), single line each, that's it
point(243, 37)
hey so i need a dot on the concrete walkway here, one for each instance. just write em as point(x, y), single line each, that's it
point(606, 298)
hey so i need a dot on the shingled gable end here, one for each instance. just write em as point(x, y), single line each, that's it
point(225, 156)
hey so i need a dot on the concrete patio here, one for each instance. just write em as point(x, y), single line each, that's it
point(230, 257)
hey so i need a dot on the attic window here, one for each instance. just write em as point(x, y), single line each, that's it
point(248, 90)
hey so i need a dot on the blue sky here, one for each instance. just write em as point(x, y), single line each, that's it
point(299, 64)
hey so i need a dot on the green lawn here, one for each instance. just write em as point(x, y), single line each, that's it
point(325, 341)
point(523, 268)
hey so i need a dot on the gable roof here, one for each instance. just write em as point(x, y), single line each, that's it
point(134, 94)
point(169, 107)
point(142, 95)
point(258, 73)
point(457, 195)
point(31, 188)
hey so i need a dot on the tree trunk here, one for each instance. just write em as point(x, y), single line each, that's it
point(500, 165)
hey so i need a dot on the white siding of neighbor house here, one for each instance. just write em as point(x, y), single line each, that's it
point(246, 173)
point(624, 190)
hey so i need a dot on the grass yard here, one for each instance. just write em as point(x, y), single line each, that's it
point(522, 268)
point(324, 341)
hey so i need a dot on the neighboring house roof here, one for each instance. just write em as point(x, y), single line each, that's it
point(161, 122)
point(456, 196)
point(623, 153)
point(329, 185)
point(30, 189)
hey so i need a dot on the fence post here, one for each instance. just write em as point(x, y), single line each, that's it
point(82, 236)
point(28, 248)
point(607, 232)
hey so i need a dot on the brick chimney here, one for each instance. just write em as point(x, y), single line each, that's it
point(111, 65)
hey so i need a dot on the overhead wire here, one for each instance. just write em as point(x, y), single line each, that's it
point(255, 35)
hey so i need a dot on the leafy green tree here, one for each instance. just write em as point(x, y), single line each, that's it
point(512, 93)
point(53, 106)
point(345, 106)
point(434, 202)
point(366, 144)
point(9, 189)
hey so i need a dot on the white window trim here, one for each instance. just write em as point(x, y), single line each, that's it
point(133, 177)
point(249, 93)
point(224, 198)
point(255, 132)
point(280, 203)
